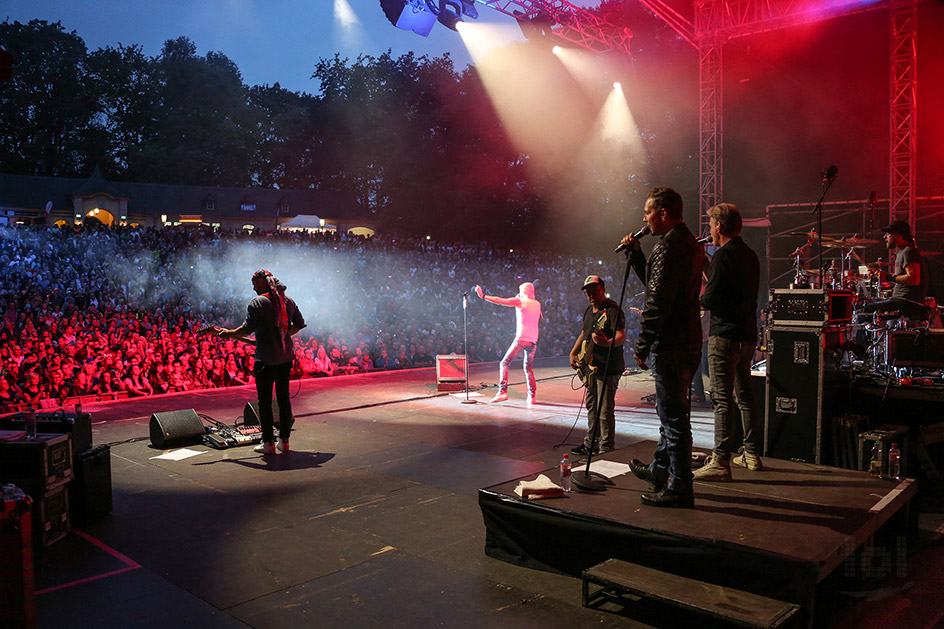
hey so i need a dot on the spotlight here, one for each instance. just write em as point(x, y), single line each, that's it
point(617, 85)
point(449, 19)
point(556, 50)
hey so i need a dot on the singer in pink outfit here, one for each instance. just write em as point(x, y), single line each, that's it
point(527, 322)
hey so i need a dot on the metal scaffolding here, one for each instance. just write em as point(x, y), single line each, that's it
point(902, 160)
point(717, 21)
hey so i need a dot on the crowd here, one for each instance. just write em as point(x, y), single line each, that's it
point(107, 313)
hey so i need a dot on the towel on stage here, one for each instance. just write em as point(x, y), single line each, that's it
point(541, 487)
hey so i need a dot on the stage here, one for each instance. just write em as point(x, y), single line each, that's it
point(374, 517)
point(777, 532)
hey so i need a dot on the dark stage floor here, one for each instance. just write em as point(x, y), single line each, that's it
point(372, 519)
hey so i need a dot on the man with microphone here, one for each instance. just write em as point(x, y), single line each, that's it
point(671, 332)
point(731, 296)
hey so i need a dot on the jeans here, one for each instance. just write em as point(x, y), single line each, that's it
point(266, 375)
point(672, 463)
point(528, 347)
point(606, 433)
point(737, 419)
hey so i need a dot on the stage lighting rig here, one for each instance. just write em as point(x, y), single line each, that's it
point(419, 16)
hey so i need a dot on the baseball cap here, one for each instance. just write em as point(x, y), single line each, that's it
point(590, 281)
point(902, 228)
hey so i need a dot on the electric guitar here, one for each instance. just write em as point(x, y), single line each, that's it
point(586, 367)
point(215, 331)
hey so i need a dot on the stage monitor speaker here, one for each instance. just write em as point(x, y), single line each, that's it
point(807, 385)
point(251, 413)
point(176, 428)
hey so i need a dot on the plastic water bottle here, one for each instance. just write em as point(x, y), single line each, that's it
point(30, 423)
point(894, 462)
point(565, 472)
point(876, 466)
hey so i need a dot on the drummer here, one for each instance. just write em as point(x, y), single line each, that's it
point(909, 281)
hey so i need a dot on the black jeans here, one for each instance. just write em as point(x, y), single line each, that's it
point(266, 376)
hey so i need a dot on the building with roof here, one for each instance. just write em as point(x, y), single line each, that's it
point(68, 201)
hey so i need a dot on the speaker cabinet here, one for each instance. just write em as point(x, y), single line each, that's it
point(251, 414)
point(176, 428)
point(807, 384)
point(90, 490)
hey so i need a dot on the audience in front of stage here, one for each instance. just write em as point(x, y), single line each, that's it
point(110, 313)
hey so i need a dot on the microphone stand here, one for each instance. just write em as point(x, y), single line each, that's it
point(465, 347)
point(584, 480)
point(818, 210)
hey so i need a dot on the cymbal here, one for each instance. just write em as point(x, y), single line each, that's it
point(858, 241)
point(844, 244)
point(930, 253)
point(812, 235)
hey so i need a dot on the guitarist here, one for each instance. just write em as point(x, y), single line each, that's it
point(603, 325)
point(274, 318)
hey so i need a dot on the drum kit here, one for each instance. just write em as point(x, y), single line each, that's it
point(848, 271)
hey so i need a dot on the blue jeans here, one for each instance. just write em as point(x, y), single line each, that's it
point(266, 376)
point(528, 347)
point(672, 463)
point(737, 419)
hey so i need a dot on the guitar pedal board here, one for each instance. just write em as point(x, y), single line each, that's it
point(233, 436)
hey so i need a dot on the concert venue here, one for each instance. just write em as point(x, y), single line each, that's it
point(541, 313)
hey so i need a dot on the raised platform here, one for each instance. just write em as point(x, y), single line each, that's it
point(777, 532)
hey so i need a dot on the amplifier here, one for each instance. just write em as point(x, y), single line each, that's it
point(809, 307)
point(38, 464)
point(79, 425)
point(90, 496)
point(915, 348)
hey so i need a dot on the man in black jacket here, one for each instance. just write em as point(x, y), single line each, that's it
point(731, 296)
point(670, 330)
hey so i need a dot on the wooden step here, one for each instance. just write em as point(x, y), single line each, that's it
point(735, 606)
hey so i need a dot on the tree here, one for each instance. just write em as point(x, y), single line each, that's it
point(47, 109)
point(207, 132)
point(127, 89)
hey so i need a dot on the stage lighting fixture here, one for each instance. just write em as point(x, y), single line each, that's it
point(556, 50)
point(410, 15)
point(419, 16)
point(617, 85)
point(447, 17)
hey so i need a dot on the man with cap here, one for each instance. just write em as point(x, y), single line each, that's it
point(909, 280)
point(527, 323)
point(274, 318)
point(603, 328)
point(671, 330)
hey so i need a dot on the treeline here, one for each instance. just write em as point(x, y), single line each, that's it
point(401, 134)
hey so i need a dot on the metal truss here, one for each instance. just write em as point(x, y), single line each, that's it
point(903, 136)
point(710, 130)
point(715, 22)
point(568, 22)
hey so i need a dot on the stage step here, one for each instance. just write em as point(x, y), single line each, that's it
point(735, 606)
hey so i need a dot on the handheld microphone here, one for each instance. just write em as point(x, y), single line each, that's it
point(642, 232)
point(705, 241)
point(830, 173)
